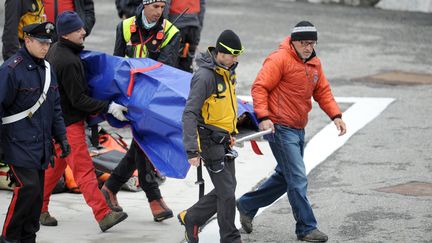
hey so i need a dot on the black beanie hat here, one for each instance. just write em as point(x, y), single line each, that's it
point(230, 39)
point(304, 30)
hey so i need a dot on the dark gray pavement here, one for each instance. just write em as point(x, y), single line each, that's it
point(393, 149)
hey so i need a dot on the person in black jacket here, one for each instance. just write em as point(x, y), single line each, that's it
point(19, 13)
point(147, 25)
point(23, 12)
point(27, 140)
point(77, 105)
point(148, 34)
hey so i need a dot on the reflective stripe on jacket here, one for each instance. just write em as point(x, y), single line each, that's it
point(130, 26)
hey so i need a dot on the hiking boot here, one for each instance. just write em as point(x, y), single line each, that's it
point(191, 230)
point(47, 220)
point(160, 210)
point(245, 221)
point(111, 219)
point(111, 199)
point(314, 236)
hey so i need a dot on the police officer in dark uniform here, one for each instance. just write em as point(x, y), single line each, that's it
point(31, 117)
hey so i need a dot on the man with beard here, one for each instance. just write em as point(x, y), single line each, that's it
point(77, 105)
point(282, 94)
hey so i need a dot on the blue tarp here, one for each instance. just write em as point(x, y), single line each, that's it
point(155, 106)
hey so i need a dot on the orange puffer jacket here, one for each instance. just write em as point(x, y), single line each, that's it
point(284, 86)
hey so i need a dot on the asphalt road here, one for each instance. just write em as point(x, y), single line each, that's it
point(393, 149)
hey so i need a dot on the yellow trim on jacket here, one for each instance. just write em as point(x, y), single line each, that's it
point(37, 15)
point(221, 109)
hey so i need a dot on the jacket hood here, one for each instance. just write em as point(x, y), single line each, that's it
point(286, 45)
point(207, 60)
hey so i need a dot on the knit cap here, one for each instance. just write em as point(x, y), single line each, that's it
point(145, 2)
point(304, 30)
point(229, 39)
point(68, 22)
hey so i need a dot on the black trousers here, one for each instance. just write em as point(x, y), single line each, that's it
point(220, 200)
point(135, 159)
point(191, 35)
point(22, 218)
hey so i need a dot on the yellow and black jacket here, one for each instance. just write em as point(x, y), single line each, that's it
point(212, 101)
point(19, 13)
point(161, 42)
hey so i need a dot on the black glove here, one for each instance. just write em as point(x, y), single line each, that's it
point(65, 147)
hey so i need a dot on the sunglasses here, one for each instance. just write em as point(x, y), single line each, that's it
point(234, 52)
point(308, 43)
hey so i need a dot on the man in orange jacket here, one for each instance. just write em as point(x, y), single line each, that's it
point(282, 94)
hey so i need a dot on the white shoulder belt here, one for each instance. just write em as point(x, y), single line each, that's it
point(29, 112)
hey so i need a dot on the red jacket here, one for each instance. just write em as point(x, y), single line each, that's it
point(284, 86)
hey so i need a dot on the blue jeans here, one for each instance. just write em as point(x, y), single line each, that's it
point(289, 177)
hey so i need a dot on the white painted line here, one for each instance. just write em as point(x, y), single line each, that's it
point(319, 148)
point(324, 143)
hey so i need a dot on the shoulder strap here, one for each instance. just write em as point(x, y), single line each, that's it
point(29, 112)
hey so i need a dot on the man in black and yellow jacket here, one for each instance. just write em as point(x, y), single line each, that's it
point(147, 34)
point(209, 121)
point(19, 13)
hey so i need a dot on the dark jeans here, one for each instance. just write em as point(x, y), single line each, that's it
point(289, 177)
point(134, 159)
point(191, 35)
point(22, 218)
point(220, 200)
